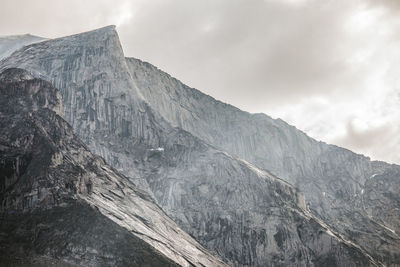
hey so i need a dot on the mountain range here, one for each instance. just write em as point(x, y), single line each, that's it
point(170, 173)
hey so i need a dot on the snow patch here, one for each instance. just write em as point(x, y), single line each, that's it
point(160, 149)
point(387, 228)
point(329, 232)
point(373, 175)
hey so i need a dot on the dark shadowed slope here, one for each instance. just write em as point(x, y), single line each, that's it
point(244, 214)
point(61, 202)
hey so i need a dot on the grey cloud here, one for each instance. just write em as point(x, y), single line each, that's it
point(268, 48)
point(391, 5)
point(362, 139)
point(380, 141)
point(54, 18)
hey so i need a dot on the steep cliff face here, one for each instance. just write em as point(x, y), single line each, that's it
point(380, 199)
point(246, 215)
point(9, 44)
point(99, 99)
point(354, 195)
point(60, 203)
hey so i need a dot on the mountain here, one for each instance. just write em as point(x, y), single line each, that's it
point(61, 204)
point(245, 214)
point(9, 44)
point(352, 194)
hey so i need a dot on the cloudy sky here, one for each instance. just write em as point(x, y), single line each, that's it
point(329, 67)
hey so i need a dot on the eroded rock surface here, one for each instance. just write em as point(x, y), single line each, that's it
point(60, 203)
point(354, 195)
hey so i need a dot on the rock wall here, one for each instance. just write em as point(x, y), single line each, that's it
point(336, 182)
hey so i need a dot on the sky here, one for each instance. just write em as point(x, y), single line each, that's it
point(328, 67)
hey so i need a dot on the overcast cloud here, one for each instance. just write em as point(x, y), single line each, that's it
point(329, 67)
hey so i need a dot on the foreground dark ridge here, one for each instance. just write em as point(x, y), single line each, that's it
point(62, 204)
point(243, 213)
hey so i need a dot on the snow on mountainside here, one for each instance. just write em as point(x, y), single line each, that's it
point(243, 213)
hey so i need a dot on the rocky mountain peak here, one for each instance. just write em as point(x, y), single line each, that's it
point(100, 43)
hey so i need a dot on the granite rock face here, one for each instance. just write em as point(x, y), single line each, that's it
point(100, 100)
point(354, 195)
point(63, 205)
point(243, 213)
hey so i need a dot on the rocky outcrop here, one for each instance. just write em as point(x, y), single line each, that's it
point(245, 214)
point(60, 203)
point(352, 194)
